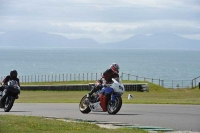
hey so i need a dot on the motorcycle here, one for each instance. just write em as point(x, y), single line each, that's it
point(108, 99)
point(8, 95)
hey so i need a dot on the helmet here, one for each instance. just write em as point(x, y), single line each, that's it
point(115, 68)
point(13, 74)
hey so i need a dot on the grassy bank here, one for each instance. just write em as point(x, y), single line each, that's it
point(30, 124)
point(156, 95)
point(78, 82)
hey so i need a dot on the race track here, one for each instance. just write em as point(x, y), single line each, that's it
point(177, 117)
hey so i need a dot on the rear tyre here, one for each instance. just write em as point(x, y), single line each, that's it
point(114, 107)
point(9, 103)
point(84, 105)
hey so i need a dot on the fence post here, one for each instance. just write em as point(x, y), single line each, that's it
point(162, 83)
point(87, 76)
point(74, 77)
point(66, 76)
point(128, 76)
point(122, 76)
point(136, 78)
point(192, 84)
point(159, 82)
point(91, 76)
point(199, 85)
point(152, 80)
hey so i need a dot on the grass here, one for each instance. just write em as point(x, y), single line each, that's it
point(58, 83)
point(31, 124)
point(156, 95)
point(77, 82)
point(23, 124)
point(171, 97)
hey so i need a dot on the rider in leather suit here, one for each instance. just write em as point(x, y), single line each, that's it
point(106, 78)
point(12, 76)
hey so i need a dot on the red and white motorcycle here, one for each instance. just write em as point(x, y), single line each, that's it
point(108, 99)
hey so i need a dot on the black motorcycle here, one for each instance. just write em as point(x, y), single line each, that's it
point(9, 94)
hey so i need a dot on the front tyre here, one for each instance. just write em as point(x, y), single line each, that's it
point(84, 105)
point(114, 107)
point(9, 103)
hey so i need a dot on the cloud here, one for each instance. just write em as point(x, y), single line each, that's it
point(192, 36)
point(104, 21)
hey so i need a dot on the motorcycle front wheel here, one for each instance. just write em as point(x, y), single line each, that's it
point(9, 103)
point(114, 107)
point(84, 105)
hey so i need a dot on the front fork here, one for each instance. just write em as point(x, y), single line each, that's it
point(3, 96)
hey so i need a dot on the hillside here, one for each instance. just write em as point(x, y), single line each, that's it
point(41, 39)
point(157, 41)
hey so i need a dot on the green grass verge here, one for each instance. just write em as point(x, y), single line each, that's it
point(31, 124)
point(156, 95)
point(58, 83)
point(171, 97)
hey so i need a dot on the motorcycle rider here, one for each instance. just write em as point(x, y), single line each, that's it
point(12, 76)
point(112, 72)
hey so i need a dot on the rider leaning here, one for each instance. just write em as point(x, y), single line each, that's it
point(106, 78)
point(12, 76)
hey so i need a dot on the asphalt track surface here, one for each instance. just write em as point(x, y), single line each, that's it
point(177, 117)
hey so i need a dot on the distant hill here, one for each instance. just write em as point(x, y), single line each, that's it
point(156, 41)
point(40, 39)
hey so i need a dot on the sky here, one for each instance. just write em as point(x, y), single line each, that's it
point(102, 20)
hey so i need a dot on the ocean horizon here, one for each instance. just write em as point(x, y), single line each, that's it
point(150, 63)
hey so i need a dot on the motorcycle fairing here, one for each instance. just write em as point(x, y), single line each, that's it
point(103, 102)
point(103, 97)
point(13, 90)
point(106, 90)
point(95, 106)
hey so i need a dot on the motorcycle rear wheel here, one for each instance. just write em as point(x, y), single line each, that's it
point(114, 107)
point(9, 103)
point(84, 105)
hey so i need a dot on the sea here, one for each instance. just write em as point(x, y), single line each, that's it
point(149, 63)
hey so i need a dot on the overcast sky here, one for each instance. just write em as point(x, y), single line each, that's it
point(102, 20)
